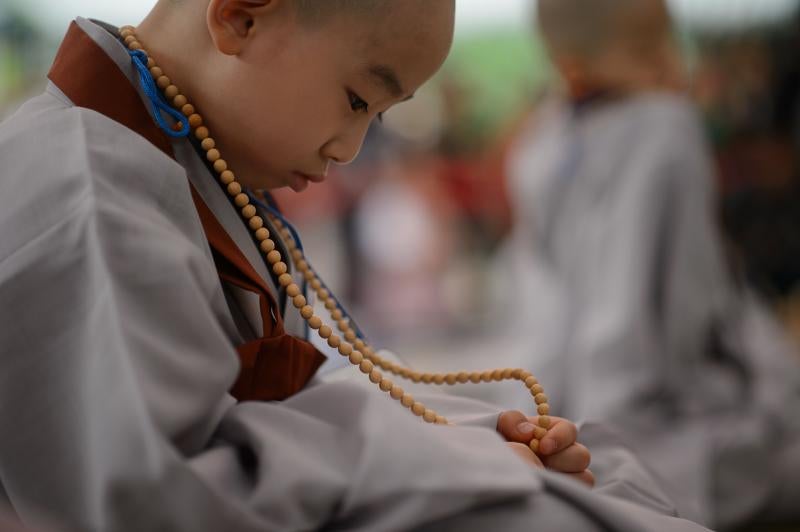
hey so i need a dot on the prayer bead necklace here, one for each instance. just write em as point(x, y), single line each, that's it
point(349, 345)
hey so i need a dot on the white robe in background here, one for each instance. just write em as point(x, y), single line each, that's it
point(117, 354)
point(625, 307)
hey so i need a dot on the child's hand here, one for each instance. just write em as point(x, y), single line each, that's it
point(558, 449)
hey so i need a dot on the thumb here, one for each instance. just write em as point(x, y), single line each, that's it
point(514, 426)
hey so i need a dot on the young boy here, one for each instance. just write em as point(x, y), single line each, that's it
point(613, 194)
point(139, 284)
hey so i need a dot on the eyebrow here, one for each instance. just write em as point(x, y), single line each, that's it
point(388, 78)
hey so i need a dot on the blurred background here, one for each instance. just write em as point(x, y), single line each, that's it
point(412, 236)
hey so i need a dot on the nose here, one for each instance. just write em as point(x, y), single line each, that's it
point(344, 148)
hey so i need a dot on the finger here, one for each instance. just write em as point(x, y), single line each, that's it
point(586, 477)
point(524, 452)
point(561, 434)
point(574, 459)
point(514, 426)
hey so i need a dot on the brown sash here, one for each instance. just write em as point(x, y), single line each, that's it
point(273, 367)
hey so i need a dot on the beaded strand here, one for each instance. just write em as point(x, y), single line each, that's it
point(349, 345)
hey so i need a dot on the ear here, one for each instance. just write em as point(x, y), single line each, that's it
point(231, 22)
point(575, 74)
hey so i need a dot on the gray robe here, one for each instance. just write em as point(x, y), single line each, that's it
point(117, 354)
point(626, 307)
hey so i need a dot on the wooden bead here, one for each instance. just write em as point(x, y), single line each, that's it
point(187, 109)
point(375, 376)
point(325, 332)
point(285, 280)
point(267, 246)
point(316, 284)
point(534, 445)
point(359, 344)
point(299, 301)
point(350, 336)
point(345, 350)
point(273, 257)
point(416, 376)
point(241, 201)
point(429, 416)
point(177, 126)
point(201, 132)
point(208, 143)
point(279, 268)
point(336, 314)
point(438, 379)
point(151, 62)
point(256, 222)
point(486, 376)
point(323, 294)
point(307, 311)
point(125, 33)
point(539, 432)
point(334, 341)
point(475, 377)
point(343, 325)
point(195, 120)
point(315, 322)
point(135, 45)
point(293, 290)
point(427, 378)
point(462, 377)
point(308, 275)
point(540, 399)
point(330, 303)
point(418, 408)
point(407, 400)
point(536, 389)
point(451, 379)
point(507, 373)
point(163, 82)
point(366, 366)
point(386, 385)
point(220, 165)
point(531, 381)
point(396, 392)
point(516, 374)
point(497, 375)
point(170, 92)
point(156, 72)
point(297, 255)
point(544, 422)
point(212, 155)
point(129, 38)
point(301, 264)
point(543, 410)
point(441, 420)
point(356, 358)
point(262, 234)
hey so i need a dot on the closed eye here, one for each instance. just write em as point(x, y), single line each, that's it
point(357, 104)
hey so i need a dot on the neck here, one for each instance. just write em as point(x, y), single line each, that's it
point(169, 36)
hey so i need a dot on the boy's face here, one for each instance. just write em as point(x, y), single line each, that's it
point(300, 96)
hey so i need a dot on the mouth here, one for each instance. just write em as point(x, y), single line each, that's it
point(314, 178)
point(301, 180)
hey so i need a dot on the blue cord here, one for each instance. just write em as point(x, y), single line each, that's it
point(139, 59)
point(295, 235)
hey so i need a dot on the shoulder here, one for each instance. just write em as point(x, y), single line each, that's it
point(61, 162)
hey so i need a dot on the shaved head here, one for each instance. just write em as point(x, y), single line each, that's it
point(588, 27)
point(316, 10)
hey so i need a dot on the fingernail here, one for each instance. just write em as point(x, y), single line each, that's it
point(548, 446)
point(526, 428)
